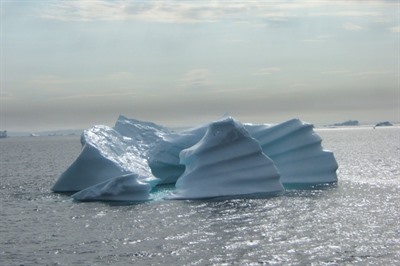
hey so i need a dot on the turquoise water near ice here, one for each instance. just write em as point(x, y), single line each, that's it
point(353, 223)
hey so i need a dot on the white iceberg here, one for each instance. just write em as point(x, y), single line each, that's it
point(164, 157)
point(227, 161)
point(297, 152)
point(293, 146)
point(112, 152)
point(126, 188)
point(135, 152)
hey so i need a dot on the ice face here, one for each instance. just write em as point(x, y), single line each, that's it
point(90, 168)
point(122, 188)
point(293, 146)
point(164, 157)
point(141, 134)
point(227, 161)
point(297, 153)
point(111, 152)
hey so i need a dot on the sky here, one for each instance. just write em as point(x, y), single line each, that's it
point(75, 64)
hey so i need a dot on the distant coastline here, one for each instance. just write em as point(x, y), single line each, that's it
point(78, 132)
point(50, 133)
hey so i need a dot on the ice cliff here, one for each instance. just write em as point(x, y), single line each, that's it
point(222, 158)
point(111, 152)
point(226, 161)
point(293, 146)
point(297, 152)
point(164, 158)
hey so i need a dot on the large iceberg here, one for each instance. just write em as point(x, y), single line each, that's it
point(226, 161)
point(111, 152)
point(126, 161)
point(293, 146)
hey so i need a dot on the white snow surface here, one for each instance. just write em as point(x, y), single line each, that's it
point(210, 160)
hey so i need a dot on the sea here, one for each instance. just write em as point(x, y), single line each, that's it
point(356, 222)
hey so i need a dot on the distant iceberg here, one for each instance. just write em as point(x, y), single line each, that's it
point(383, 124)
point(3, 134)
point(347, 123)
point(221, 158)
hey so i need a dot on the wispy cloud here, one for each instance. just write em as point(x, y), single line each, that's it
point(74, 86)
point(119, 76)
point(85, 10)
point(368, 74)
point(47, 80)
point(267, 71)
point(352, 27)
point(300, 85)
point(5, 95)
point(359, 74)
point(318, 39)
point(159, 11)
point(48, 83)
point(232, 40)
point(196, 78)
point(348, 13)
point(193, 11)
point(98, 95)
point(173, 12)
point(340, 71)
point(395, 29)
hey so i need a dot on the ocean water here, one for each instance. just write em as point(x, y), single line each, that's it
point(353, 223)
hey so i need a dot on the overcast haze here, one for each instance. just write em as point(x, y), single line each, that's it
point(74, 64)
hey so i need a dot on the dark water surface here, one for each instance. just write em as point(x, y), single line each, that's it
point(354, 223)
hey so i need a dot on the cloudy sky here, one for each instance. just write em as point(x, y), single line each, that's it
point(74, 64)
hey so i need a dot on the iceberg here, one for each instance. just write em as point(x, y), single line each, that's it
point(227, 161)
point(111, 152)
point(293, 146)
point(380, 124)
point(164, 158)
point(126, 188)
point(297, 152)
point(219, 159)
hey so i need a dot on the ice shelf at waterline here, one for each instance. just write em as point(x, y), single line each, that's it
point(122, 188)
point(218, 159)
